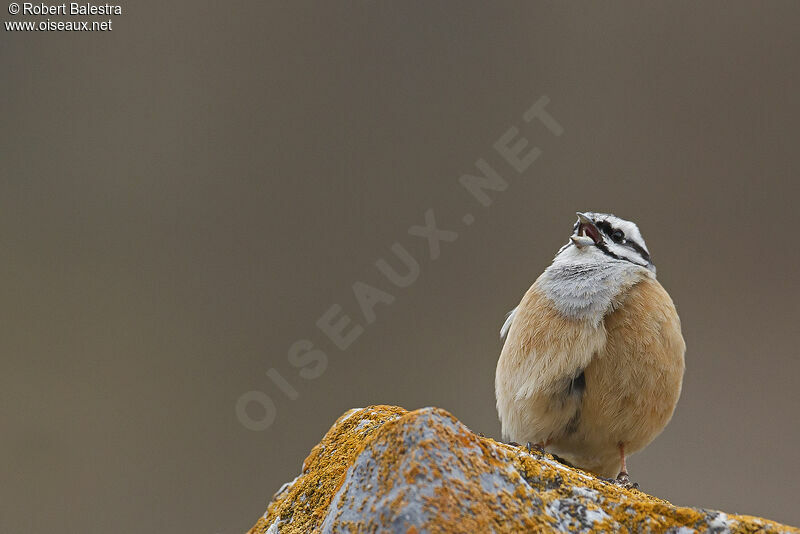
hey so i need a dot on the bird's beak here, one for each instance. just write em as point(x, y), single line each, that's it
point(588, 233)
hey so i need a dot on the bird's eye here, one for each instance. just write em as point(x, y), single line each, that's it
point(618, 236)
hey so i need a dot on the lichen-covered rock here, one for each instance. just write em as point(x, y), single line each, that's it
point(384, 469)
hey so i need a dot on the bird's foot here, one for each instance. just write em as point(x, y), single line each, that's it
point(536, 447)
point(624, 481)
point(532, 448)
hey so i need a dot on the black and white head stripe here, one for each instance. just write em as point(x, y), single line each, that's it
point(621, 239)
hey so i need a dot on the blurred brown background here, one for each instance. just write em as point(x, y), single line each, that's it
point(183, 197)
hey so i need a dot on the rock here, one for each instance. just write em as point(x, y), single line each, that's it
point(386, 469)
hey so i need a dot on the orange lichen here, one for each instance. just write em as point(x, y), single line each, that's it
point(306, 501)
point(427, 468)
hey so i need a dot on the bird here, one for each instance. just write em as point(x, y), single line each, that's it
point(593, 360)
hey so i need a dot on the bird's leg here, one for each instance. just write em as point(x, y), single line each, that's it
point(622, 478)
point(623, 474)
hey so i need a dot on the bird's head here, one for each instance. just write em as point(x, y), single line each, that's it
point(604, 238)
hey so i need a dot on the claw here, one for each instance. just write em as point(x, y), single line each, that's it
point(535, 447)
point(625, 481)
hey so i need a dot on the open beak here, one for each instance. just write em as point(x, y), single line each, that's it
point(588, 233)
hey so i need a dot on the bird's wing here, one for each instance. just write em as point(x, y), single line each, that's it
point(539, 381)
